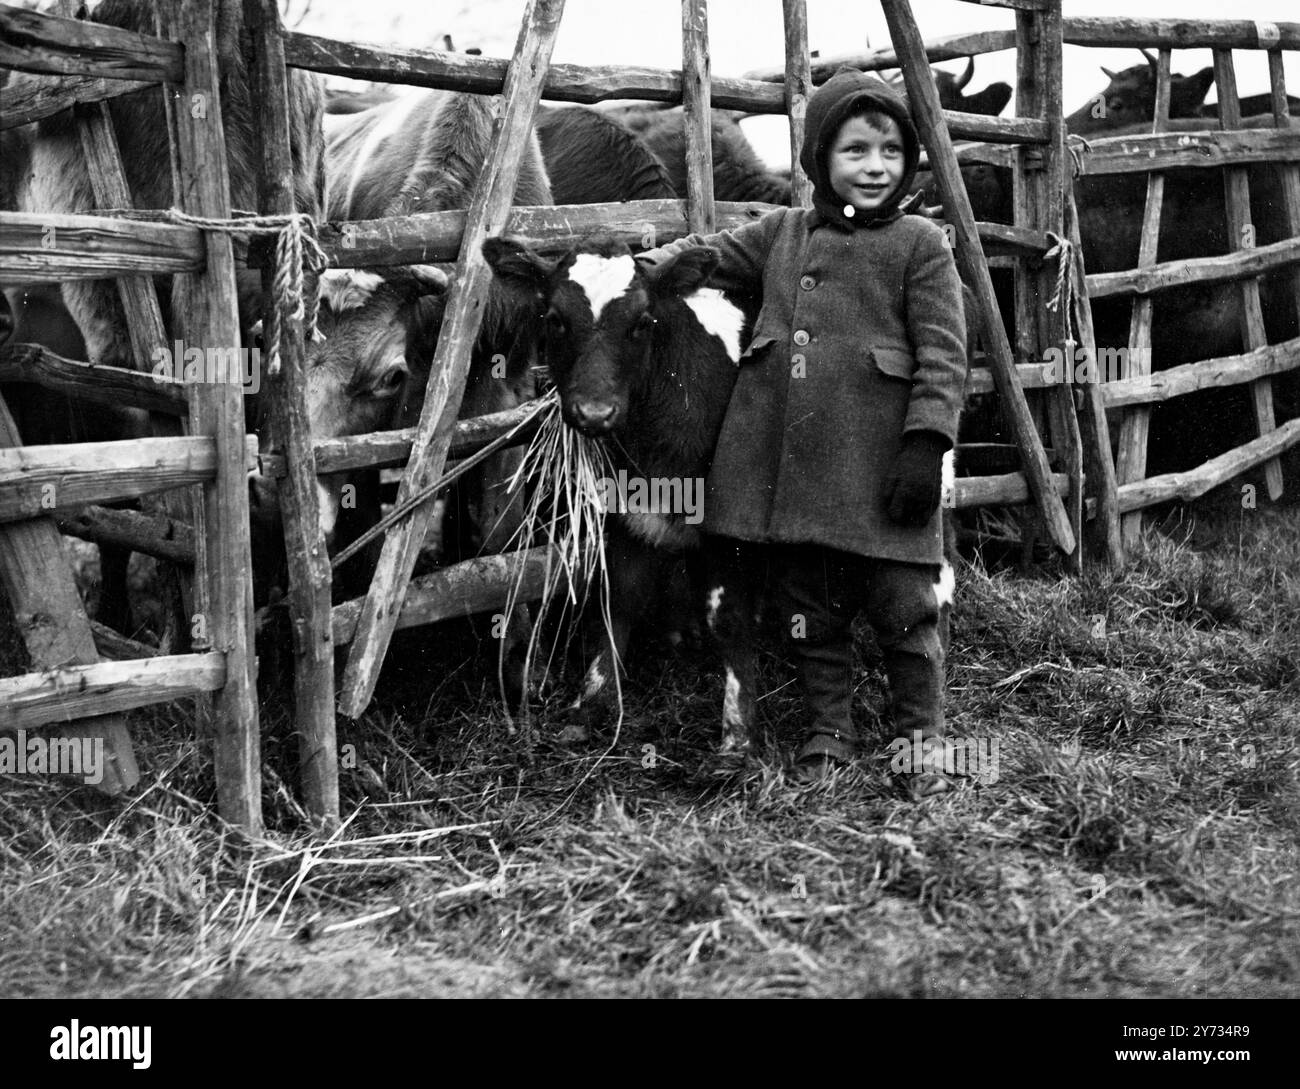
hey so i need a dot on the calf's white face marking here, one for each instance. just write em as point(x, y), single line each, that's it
point(603, 279)
point(719, 317)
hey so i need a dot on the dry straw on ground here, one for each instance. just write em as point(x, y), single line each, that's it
point(1141, 838)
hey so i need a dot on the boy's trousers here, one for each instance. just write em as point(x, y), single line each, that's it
point(817, 591)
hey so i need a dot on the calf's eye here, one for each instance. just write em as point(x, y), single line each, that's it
point(389, 382)
point(641, 326)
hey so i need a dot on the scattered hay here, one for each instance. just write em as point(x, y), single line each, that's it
point(1140, 839)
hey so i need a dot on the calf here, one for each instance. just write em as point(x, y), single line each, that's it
point(646, 357)
point(419, 153)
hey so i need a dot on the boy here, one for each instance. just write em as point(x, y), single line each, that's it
point(827, 468)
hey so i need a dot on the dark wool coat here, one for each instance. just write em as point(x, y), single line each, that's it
point(861, 339)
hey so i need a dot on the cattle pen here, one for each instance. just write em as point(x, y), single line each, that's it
point(1067, 476)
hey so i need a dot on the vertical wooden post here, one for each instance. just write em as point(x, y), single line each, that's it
point(698, 119)
point(798, 88)
point(1040, 187)
point(208, 308)
point(1241, 236)
point(487, 215)
point(969, 251)
point(1136, 424)
point(309, 569)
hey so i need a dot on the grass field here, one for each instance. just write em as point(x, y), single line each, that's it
point(1142, 836)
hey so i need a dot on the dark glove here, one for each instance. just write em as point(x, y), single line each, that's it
point(913, 486)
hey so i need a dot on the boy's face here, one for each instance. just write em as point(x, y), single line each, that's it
point(866, 163)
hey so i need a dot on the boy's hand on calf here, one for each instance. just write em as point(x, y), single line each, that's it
point(914, 485)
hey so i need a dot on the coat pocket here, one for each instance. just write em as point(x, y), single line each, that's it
point(895, 362)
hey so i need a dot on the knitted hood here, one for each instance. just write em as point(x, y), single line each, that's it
point(832, 102)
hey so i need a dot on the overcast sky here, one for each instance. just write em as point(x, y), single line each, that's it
point(746, 34)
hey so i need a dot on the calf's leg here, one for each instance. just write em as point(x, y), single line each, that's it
point(735, 579)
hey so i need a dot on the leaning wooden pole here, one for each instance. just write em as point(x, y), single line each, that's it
point(697, 117)
point(1093, 425)
point(924, 99)
point(798, 88)
point(488, 211)
point(308, 560)
point(208, 309)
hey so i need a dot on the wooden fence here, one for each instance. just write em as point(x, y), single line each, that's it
point(97, 63)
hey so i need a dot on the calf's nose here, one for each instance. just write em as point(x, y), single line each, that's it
point(594, 415)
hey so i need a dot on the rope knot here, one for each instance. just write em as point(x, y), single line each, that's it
point(1063, 251)
point(299, 261)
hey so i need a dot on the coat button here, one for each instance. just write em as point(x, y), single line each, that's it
point(801, 337)
point(807, 283)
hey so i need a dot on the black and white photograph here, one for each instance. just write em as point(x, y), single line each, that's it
point(651, 499)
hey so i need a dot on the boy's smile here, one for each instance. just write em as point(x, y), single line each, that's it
point(866, 162)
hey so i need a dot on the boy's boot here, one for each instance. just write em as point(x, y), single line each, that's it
point(906, 619)
point(818, 627)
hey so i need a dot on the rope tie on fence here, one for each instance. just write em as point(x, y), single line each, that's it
point(1063, 251)
point(296, 252)
point(1077, 146)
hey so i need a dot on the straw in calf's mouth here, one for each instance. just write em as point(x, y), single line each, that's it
point(565, 511)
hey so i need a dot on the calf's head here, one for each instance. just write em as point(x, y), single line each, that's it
point(600, 309)
point(378, 330)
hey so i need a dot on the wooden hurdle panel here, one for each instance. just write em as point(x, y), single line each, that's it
point(1231, 148)
point(217, 455)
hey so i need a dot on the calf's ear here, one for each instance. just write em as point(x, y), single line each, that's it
point(684, 272)
point(516, 264)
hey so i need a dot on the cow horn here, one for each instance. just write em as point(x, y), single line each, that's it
point(964, 78)
point(1151, 60)
point(1109, 73)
